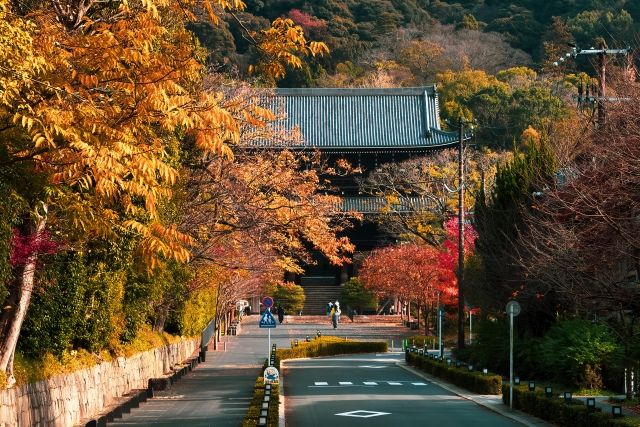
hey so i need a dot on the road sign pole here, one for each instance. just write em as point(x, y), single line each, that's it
point(269, 348)
point(511, 359)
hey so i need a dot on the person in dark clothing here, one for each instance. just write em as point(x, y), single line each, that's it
point(280, 314)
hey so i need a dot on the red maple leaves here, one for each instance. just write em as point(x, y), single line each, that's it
point(24, 246)
point(418, 272)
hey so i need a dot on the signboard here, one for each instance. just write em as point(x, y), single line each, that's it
point(267, 320)
point(267, 302)
point(271, 375)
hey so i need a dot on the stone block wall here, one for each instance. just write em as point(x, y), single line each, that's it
point(66, 400)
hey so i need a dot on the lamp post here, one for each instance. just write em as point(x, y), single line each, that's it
point(513, 309)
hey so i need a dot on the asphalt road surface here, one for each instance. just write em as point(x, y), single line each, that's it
point(372, 390)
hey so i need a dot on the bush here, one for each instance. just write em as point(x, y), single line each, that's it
point(473, 381)
point(288, 296)
point(574, 351)
point(353, 294)
point(560, 413)
point(329, 346)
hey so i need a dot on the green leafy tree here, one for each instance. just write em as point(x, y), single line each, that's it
point(288, 296)
point(574, 352)
point(354, 294)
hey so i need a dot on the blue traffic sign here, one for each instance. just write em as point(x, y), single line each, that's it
point(267, 320)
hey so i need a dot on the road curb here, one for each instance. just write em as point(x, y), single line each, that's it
point(281, 403)
point(515, 415)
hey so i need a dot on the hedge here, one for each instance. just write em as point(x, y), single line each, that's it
point(329, 346)
point(473, 381)
point(253, 413)
point(556, 411)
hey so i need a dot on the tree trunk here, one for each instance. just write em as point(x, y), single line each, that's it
point(161, 319)
point(24, 289)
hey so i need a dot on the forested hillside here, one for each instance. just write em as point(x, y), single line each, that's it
point(423, 36)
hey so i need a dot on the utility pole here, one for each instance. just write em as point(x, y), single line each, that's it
point(602, 54)
point(460, 233)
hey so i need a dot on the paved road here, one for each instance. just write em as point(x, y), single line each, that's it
point(218, 392)
point(331, 391)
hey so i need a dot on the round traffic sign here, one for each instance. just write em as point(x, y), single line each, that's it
point(513, 307)
point(267, 302)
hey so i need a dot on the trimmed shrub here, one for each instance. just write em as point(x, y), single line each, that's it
point(253, 413)
point(559, 413)
point(473, 381)
point(329, 346)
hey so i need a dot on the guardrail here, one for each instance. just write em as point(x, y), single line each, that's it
point(207, 334)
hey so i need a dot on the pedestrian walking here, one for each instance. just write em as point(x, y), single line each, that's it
point(329, 307)
point(280, 314)
point(335, 314)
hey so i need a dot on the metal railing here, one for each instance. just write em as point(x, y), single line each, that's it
point(207, 333)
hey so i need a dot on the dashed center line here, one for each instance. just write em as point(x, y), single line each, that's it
point(368, 383)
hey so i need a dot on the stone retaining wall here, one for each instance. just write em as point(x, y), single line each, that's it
point(66, 400)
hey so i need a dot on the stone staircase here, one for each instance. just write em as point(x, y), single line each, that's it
point(317, 297)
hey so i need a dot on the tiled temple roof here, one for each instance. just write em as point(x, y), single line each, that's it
point(361, 119)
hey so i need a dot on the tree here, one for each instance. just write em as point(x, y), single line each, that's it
point(287, 295)
point(499, 221)
point(581, 243)
point(432, 181)
point(420, 273)
point(354, 294)
point(92, 99)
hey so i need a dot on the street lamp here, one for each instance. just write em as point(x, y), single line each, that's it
point(513, 309)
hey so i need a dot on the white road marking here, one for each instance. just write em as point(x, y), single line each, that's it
point(370, 383)
point(362, 414)
point(321, 383)
point(393, 383)
point(345, 383)
point(419, 383)
point(372, 366)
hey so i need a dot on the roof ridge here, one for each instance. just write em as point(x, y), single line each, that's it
point(323, 91)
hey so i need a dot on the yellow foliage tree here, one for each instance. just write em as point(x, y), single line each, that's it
point(93, 100)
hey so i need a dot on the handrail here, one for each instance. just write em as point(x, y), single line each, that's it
point(207, 333)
